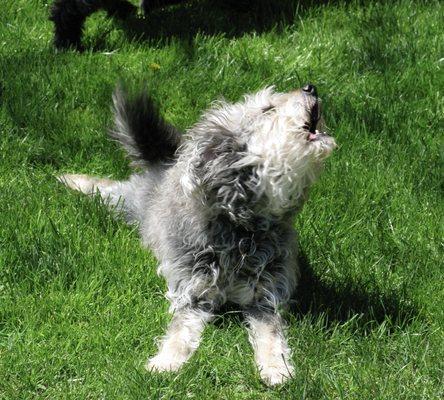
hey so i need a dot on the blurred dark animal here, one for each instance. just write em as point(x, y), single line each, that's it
point(69, 16)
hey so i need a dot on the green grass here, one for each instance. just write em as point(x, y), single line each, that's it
point(80, 302)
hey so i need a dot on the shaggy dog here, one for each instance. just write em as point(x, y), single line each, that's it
point(70, 15)
point(217, 207)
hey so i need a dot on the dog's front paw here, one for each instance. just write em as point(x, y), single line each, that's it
point(276, 374)
point(163, 363)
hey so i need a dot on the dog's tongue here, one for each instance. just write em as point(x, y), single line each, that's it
point(312, 136)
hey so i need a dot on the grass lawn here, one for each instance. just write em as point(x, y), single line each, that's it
point(80, 302)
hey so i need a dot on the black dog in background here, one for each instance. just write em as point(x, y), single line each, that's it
point(70, 15)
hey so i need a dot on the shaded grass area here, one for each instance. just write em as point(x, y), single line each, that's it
point(80, 301)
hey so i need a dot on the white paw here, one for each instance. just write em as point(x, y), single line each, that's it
point(276, 374)
point(162, 363)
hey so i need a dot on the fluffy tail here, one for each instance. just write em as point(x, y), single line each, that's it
point(144, 134)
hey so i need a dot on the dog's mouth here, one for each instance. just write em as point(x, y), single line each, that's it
point(311, 125)
point(315, 135)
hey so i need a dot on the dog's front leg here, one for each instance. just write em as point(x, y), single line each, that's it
point(271, 351)
point(181, 340)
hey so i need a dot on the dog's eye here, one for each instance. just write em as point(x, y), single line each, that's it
point(265, 109)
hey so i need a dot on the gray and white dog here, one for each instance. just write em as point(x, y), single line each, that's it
point(216, 206)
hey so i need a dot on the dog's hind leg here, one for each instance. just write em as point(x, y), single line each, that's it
point(119, 195)
point(181, 340)
point(87, 184)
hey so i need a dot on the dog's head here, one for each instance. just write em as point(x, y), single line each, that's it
point(280, 136)
point(277, 120)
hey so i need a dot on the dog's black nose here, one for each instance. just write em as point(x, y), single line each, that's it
point(309, 88)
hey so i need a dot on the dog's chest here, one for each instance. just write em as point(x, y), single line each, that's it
point(243, 254)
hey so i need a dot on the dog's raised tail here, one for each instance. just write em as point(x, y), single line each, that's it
point(139, 127)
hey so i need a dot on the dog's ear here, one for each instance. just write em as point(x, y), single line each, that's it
point(221, 174)
point(209, 157)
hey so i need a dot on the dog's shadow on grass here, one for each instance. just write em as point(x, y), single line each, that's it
point(367, 308)
point(231, 18)
point(346, 301)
